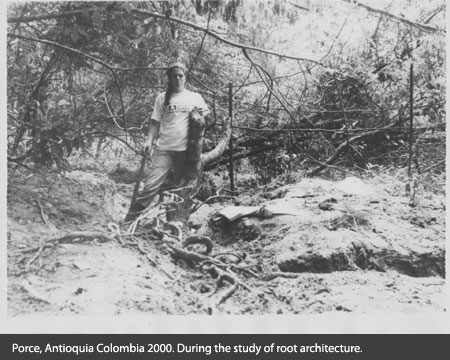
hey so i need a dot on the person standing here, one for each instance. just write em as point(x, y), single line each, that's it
point(169, 124)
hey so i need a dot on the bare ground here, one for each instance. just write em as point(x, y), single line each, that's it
point(346, 246)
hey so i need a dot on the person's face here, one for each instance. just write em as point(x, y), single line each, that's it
point(177, 80)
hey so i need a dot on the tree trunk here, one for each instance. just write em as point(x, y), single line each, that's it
point(195, 160)
point(192, 177)
point(221, 146)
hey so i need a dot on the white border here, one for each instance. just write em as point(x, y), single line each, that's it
point(385, 323)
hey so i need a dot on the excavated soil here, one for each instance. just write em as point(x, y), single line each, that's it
point(353, 245)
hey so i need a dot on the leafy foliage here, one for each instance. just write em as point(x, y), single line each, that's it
point(85, 71)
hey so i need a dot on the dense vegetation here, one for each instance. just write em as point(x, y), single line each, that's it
point(315, 82)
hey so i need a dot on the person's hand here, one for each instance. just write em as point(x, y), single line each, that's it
point(147, 145)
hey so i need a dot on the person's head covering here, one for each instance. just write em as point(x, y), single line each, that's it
point(176, 65)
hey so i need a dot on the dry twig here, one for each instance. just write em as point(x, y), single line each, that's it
point(44, 216)
point(38, 253)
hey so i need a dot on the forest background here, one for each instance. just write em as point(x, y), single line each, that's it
point(314, 83)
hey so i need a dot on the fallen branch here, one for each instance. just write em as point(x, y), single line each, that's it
point(346, 143)
point(61, 14)
point(417, 25)
point(433, 166)
point(221, 39)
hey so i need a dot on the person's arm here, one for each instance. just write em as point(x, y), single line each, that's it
point(155, 121)
point(153, 131)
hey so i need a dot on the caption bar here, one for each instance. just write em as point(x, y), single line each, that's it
point(181, 348)
point(220, 346)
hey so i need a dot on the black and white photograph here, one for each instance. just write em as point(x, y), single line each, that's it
point(240, 159)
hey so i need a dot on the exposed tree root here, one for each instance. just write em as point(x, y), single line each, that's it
point(223, 275)
point(277, 274)
point(175, 225)
point(193, 256)
point(38, 253)
point(203, 240)
point(227, 254)
point(226, 275)
point(215, 268)
point(227, 293)
point(149, 215)
point(116, 233)
point(78, 235)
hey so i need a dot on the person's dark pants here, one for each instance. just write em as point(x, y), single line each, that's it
point(163, 163)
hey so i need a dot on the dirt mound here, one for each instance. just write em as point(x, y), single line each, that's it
point(318, 246)
point(351, 225)
point(72, 199)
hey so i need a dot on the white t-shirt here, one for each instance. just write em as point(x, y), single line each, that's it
point(174, 118)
